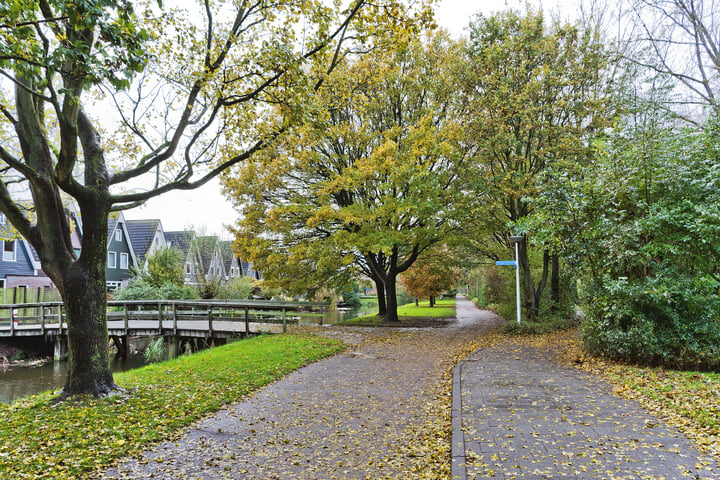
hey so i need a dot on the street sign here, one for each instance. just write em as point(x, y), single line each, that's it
point(505, 262)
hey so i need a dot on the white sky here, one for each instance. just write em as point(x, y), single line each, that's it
point(207, 209)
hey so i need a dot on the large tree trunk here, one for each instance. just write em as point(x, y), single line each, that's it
point(531, 294)
point(386, 271)
point(382, 303)
point(542, 283)
point(85, 298)
point(526, 280)
point(88, 362)
point(391, 314)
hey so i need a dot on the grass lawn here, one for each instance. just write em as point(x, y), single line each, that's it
point(73, 439)
point(410, 314)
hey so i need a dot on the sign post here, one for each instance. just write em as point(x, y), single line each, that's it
point(515, 263)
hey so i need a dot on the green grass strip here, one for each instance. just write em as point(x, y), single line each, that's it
point(444, 308)
point(73, 439)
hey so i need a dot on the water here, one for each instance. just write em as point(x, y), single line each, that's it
point(19, 382)
point(335, 316)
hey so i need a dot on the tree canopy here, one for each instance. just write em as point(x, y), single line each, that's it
point(371, 182)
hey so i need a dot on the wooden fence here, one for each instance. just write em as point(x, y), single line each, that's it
point(166, 317)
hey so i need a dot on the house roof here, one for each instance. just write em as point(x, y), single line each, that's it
point(227, 254)
point(112, 222)
point(180, 240)
point(141, 234)
point(207, 246)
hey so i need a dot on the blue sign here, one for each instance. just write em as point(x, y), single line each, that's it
point(505, 262)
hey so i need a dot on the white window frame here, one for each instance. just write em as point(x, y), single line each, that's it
point(124, 261)
point(112, 260)
point(118, 235)
point(10, 256)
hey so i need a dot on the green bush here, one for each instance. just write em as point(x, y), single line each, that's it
point(172, 291)
point(237, 289)
point(671, 322)
point(547, 325)
point(352, 299)
point(155, 350)
point(137, 289)
point(140, 289)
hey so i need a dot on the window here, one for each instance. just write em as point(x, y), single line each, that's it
point(118, 234)
point(111, 259)
point(124, 261)
point(9, 250)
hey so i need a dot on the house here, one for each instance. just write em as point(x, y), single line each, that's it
point(120, 254)
point(183, 241)
point(20, 263)
point(204, 259)
point(210, 258)
point(231, 262)
point(146, 238)
point(248, 270)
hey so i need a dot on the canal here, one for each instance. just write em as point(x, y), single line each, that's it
point(18, 382)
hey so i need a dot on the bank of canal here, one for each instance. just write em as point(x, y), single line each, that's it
point(21, 381)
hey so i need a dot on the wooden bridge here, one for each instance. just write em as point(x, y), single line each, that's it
point(214, 320)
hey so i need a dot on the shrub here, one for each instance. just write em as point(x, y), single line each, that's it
point(547, 325)
point(667, 321)
point(237, 289)
point(352, 299)
point(137, 289)
point(140, 289)
point(155, 350)
point(172, 291)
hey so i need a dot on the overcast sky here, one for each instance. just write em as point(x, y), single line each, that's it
point(207, 209)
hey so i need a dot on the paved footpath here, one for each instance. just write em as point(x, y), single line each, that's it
point(362, 414)
point(356, 415)
point(519, 414)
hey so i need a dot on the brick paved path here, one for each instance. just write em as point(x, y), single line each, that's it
point(525, 416)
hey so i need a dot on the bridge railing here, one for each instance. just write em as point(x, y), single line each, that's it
point(165, 315)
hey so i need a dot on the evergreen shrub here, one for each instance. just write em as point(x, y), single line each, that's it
point(672, 322)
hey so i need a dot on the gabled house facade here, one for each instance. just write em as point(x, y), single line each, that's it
point(210, 260)
point(130, 243)
point(183, 241)
point(120, 254)
point(20, 264)
point(231, 262)
point(146, 238)
point(205, 258)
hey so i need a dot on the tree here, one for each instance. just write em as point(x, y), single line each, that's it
point(371, 182)
point(431, 276)
point(166, 265)
point(538, 99)
point(683, 39)
point(222, 91)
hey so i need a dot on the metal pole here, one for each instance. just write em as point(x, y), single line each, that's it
point(517, 278)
